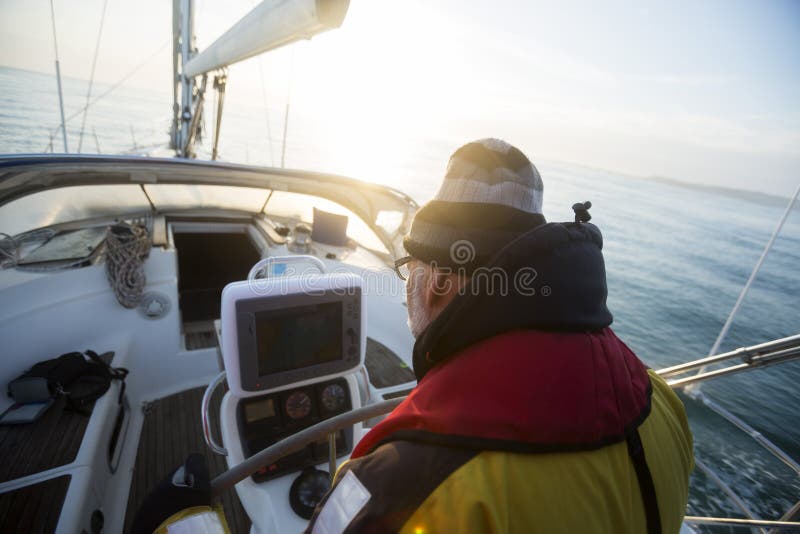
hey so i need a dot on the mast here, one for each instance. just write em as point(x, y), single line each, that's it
point(187, 83)
point(176, 73)
point(183, 50)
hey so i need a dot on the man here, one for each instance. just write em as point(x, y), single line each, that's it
point(529, 415)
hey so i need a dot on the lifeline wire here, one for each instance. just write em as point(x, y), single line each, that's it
point(108, 91)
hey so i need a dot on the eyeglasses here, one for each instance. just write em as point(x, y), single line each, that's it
point(401, 267)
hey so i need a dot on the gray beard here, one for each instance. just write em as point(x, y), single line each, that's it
point(418, 316)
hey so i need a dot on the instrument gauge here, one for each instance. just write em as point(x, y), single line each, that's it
point(307, 491)
point(298, 405)
point(333, 397)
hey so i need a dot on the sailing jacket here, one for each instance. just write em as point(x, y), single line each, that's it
point(530, 415)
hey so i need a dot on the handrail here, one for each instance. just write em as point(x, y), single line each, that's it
point(758, 361)
point(296, 442)
point(204, 407)
point(761, 355)
point(761, 348)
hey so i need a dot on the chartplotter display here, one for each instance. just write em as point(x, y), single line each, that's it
point(298, 337)
point(281, 334)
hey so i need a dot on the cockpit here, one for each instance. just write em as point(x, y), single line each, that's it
point(294, 356)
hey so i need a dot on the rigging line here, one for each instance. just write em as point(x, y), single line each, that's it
point(96, 141)
point(58, 76)
point(149, 200)
point(213, 110)
point(220, 81)
point(746, 288)
point(288, 102)
point(266, 110)
point(732, 495)
point(118, 83)
point(91, 76)
point(264, 206)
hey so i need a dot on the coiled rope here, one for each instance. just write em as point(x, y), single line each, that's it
point(127, 246)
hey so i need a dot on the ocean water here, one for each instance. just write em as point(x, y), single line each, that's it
point(677, 258)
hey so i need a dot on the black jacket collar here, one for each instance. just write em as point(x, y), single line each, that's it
point(550, 278)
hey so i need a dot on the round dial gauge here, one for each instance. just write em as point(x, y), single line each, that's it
point(298, 405)
point(333, 397)
point(307, 491)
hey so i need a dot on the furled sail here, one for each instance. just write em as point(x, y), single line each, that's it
point(271, 24)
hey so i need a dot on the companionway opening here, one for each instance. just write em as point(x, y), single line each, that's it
point(207, 262)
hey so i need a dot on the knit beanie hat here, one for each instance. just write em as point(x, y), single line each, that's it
point(491, 194)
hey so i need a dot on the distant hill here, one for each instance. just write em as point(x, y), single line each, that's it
point(765, 199)
point(752, 196)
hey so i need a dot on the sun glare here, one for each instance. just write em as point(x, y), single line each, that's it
point(377, 80)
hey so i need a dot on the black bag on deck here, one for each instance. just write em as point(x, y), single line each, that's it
point(80, 380)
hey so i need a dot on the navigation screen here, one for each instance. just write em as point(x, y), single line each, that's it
point(255, 411)
point(298, 337)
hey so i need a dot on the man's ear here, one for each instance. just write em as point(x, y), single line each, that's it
point(439, 289)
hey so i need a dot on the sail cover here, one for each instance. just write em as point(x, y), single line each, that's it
point(271, 24)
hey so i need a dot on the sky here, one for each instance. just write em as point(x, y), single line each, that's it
point(699, 91)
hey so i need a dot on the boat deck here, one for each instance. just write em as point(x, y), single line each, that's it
point(33, 509)
point(171, 431)
point(29, 449)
